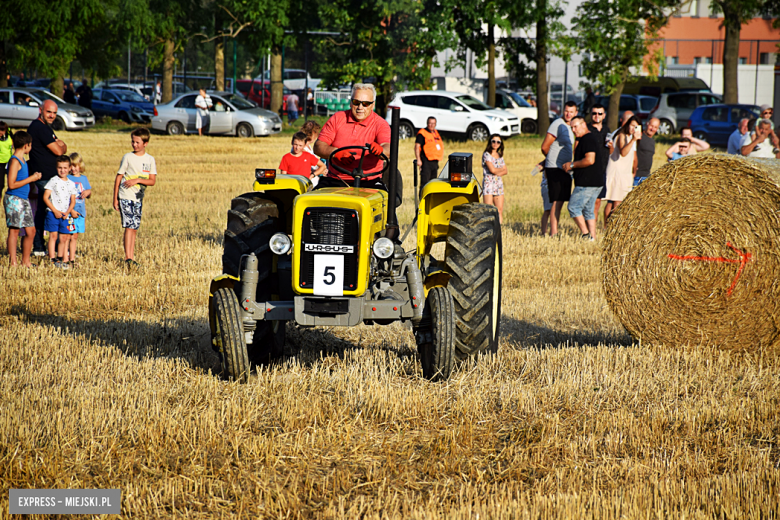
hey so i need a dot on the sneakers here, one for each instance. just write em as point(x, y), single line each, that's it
point(62, 265)
point(131, 263)
point(39, 253)
point(587, 236)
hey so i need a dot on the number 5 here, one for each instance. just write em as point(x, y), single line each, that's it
point(329, 273)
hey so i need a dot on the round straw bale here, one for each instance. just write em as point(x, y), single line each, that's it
point(692, 256)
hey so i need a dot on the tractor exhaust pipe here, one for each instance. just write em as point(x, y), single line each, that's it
point(392, 222)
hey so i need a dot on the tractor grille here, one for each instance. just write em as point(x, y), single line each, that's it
point(330, 226)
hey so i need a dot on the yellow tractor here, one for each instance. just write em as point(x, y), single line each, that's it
point(333, 257)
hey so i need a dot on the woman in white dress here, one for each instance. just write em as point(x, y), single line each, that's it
point(620, 168)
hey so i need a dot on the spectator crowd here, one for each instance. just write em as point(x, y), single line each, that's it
point(585, 166)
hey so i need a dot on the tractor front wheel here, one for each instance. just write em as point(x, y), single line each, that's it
point(437, 352)
point(473, 258)
point(252, 221)
point(228, 335)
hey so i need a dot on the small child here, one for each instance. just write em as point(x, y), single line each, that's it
point(300, 162)
point(137, 170)
point(59, 195)
point(84, 192)
point(18, 213)
point(6, 151)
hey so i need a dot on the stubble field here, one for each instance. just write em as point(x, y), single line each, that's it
point(107, 380)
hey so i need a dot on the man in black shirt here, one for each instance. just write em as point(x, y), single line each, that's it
point(85, 94)
point(599, 128)
point(645, 149)
point(46, 148)
point(588, 180)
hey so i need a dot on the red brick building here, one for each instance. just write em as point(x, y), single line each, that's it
point(689, 40)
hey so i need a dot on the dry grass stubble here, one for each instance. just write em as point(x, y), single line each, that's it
point(105, 383)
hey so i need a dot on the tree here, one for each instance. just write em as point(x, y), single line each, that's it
point(35, 28)
point(615, 36)
point(548, 30)
point(735, 13)
point(167, 23)
point(475, 23)
point(393, 42)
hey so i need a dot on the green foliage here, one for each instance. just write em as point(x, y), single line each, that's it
point(394, 42)
point(614, 36)
point(513, 48)
point(47, 36)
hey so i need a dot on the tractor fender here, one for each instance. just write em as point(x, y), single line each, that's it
point(436, 279)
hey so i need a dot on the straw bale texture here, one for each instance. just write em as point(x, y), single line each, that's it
point(692, 256)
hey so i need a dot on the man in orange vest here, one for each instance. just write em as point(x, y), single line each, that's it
point(429, 151)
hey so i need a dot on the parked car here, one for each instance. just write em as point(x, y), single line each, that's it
point(639, 105)
point(127, 105)
point(674, 110)
point(647, 86)
point(145, 91)
point(294, 79)
point(514, 103)
point(230, 114)
point(20, 106)
point(454, 112)
point(252, 90)
point(716, 123)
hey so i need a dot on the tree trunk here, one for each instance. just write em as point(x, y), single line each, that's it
point(491, 100)
point(277, 87)
point(613, 110)
point(3, 65)
point(731, 60)
point(219, 63)
point(542, 106)
point(57, 86)
point(167, 80)
point(428, 65)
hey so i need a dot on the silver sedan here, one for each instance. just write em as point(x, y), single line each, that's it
point(230, 114)
point(21, 106)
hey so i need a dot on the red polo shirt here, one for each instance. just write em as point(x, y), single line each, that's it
point(342, 129)
point(300, 165)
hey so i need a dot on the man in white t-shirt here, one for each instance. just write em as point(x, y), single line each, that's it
point(202, 103)
point(759, 143)
point(558, 149)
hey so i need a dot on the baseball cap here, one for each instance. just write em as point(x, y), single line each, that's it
point(764, 107)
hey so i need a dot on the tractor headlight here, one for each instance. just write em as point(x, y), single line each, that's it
point(280, 243)
point(383, 248)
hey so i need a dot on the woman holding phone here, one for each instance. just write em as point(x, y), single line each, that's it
point(620, 168)
point(493, 169)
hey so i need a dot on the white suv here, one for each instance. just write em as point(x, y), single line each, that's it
point(454, 112)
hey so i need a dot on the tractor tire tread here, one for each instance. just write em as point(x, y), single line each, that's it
point(473, 241)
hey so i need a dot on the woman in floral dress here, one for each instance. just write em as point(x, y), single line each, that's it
point(493, 168)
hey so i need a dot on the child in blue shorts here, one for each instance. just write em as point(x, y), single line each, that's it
point(59, 195)
point(84, 192)
point(18, 213)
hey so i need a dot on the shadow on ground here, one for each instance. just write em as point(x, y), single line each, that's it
point(533, 335)
point(189, 340)
point(181, 338)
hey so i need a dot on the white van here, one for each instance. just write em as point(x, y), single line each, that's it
point(454, 112)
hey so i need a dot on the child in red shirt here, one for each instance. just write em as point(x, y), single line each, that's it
point(300, 162)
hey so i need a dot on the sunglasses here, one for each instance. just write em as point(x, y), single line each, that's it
point(494, 141)
point(597, 113)
point(356, 102)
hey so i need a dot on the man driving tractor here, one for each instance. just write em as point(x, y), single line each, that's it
point(357, 127)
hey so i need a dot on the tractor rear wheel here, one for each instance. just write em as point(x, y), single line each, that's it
point(437, 353)
point(473, 258)
point(229, 335)
point(252, 221)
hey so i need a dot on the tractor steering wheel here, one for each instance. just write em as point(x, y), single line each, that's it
point(357, 173)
